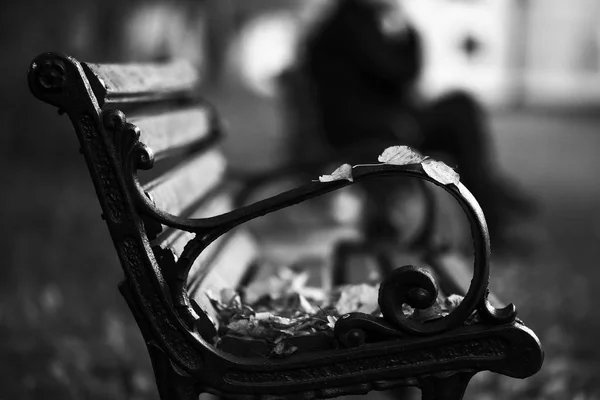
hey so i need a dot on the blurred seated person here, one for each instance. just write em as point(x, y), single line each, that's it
point(352, 93)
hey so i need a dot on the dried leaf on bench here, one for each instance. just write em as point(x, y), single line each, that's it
point(358, 298)
point(331, 320)
point(437, 310)
point(440, 172)
point(400, 155)
point(248, 327)
point(440, 309)
point(453, 301)
point(283, 349)
point(305, 305)
point(283, 315)
point(344, 171)
point(284, 282)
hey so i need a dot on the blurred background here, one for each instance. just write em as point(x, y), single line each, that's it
point(66, 333)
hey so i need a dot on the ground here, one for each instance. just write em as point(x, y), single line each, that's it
point(65, 332)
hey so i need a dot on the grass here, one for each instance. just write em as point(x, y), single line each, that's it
point(65, 331)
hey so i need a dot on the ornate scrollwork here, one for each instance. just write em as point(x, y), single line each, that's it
point(143, 156)
point(416, 288)
point(134, 154)
point(50, 74)
point(356, 329)
point(61, 81)
point(497, 315)
point(408, 285)
point(53, 79)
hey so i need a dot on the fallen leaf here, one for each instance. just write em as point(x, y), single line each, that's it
point(437, 310)
point(263, 316)
point(283, 349)
point(305, 305)
point(280, 321)
point(361, 298)
point(247, 327)
point(400, 155)
point(331, 320)
point(440, 172)
point(344, 171)
point(453, 301)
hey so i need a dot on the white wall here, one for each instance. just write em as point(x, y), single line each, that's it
point(542, 52)
point(444, 25)
point(564, 52)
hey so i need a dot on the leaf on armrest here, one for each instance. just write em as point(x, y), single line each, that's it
point(344, 171)
point(400, 155)
point(440, 172)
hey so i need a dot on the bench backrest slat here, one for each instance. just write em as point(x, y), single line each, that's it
point(231, 257)
point(174, 131)
point(130, 83)
point(186, 184)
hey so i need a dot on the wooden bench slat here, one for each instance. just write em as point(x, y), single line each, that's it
point(234, 255)
point(127, 83)
point(176, 129)
point(188, 183)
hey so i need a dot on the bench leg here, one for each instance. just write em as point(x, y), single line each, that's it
point(446, 388)
point(171, 384)
point(404, 393)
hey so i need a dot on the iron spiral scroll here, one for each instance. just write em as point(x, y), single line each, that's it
point(405, 285)
point(416, 287)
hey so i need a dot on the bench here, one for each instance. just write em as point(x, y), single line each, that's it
point(177, 224)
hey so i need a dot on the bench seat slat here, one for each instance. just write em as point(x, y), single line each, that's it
point(171, 130)
point(188, 183)
point(229, 263)
point(128, 83)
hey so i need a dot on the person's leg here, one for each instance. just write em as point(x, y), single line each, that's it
point(455, 127)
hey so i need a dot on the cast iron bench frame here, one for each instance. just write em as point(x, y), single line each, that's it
point(440, 356)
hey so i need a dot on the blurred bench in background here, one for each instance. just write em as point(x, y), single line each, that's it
point(174, 215)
